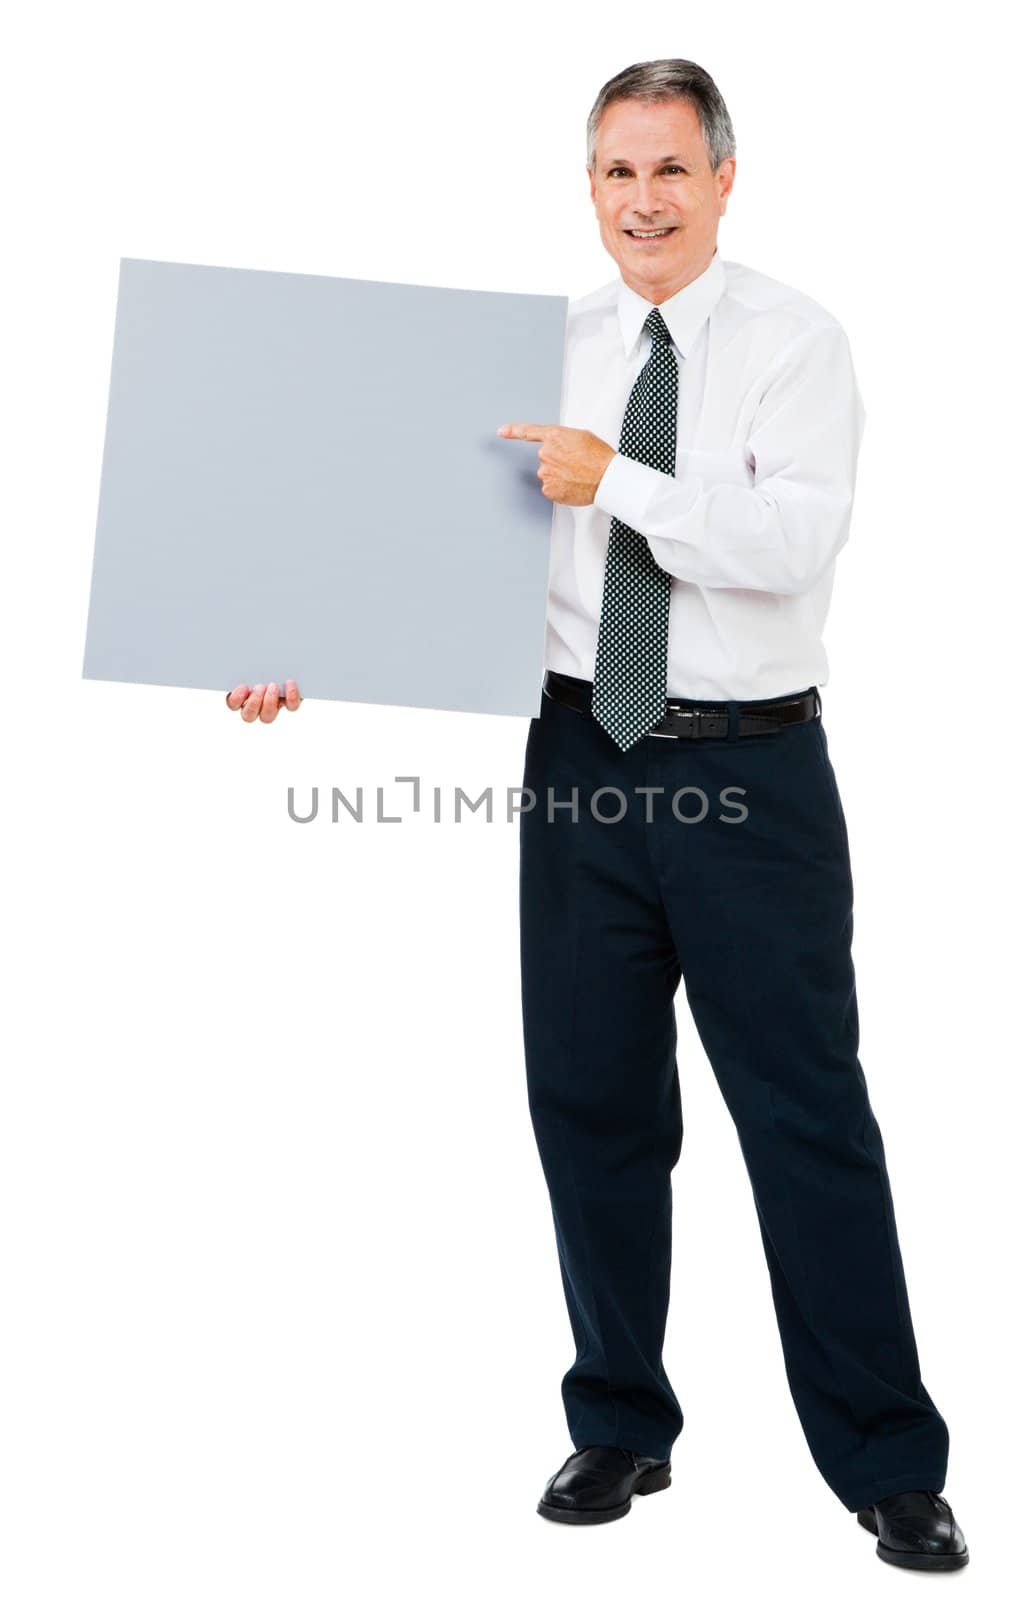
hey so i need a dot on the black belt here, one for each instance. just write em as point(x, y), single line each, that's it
point(698, 719)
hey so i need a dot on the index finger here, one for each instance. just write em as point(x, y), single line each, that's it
point(524, 430)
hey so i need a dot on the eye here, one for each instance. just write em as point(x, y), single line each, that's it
point(671, 167)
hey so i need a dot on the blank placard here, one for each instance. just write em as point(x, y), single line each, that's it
point(302, 478)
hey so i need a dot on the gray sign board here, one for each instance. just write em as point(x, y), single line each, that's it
point(302, 478)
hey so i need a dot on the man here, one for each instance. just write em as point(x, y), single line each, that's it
point(691, 569)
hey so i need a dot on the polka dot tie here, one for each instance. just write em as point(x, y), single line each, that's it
point(630, 677)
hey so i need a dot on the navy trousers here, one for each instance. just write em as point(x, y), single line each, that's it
point(736, 877)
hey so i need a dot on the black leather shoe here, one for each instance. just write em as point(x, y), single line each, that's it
point(916, 1529)
point(597, 1483)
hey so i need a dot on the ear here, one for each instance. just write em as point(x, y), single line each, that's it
point(726, 178)
point(592, 184)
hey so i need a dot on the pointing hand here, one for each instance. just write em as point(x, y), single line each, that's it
point(571, 460)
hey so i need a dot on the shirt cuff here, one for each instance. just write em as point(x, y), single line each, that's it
point(629, 491)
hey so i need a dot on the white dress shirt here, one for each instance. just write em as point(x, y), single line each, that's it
point(769, 427)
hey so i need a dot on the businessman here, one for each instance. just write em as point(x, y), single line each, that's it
point(688, 824)
point(703, 475)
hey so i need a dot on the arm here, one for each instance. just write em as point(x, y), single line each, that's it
point(780, 533)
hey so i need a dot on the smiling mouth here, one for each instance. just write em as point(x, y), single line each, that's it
point(645, 234)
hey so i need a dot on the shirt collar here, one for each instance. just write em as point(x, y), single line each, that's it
point(685, 312)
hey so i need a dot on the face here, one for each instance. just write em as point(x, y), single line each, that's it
point(653, 172)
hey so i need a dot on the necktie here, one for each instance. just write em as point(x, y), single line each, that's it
point(630, 677)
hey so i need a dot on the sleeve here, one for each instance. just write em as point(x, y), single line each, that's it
point(779, 533)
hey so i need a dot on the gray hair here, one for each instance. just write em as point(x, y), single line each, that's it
point(653, 81)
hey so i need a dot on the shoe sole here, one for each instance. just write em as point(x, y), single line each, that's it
point(948, 1561)
point(650, 1482)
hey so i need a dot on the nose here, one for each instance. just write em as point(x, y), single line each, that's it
point(646, 201)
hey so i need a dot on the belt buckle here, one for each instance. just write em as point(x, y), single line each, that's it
point(691, 719)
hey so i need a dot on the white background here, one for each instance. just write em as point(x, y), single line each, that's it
point(282, 1310)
